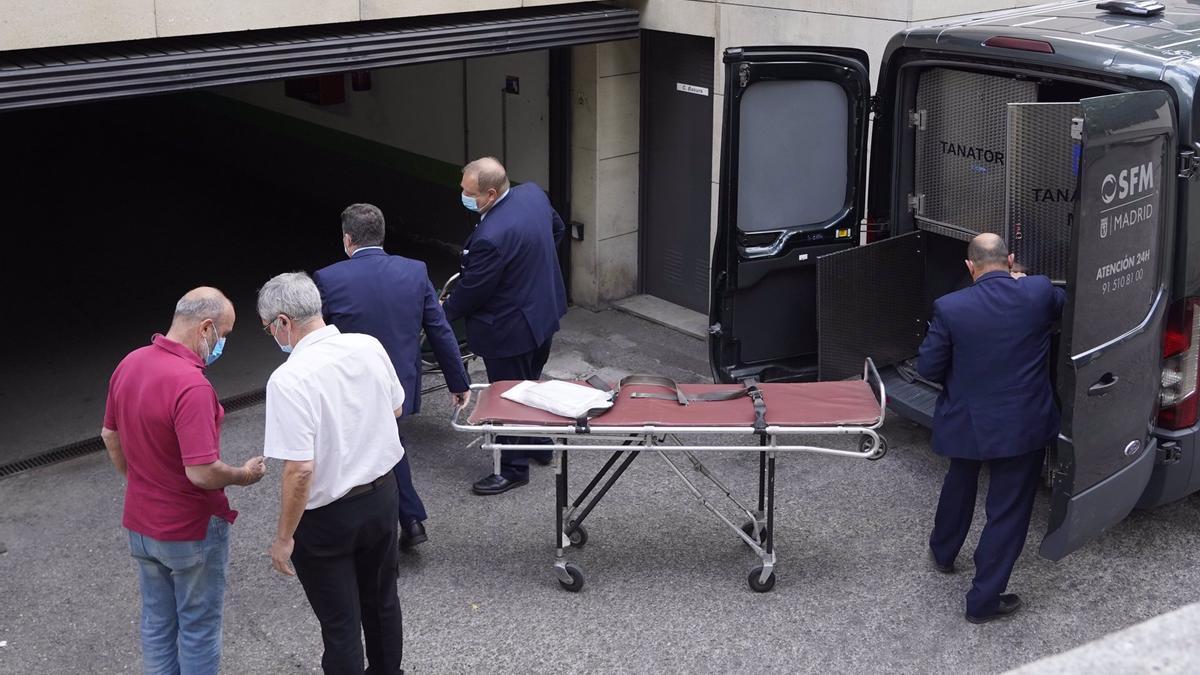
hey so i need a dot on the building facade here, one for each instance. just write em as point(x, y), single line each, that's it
point(433, 116)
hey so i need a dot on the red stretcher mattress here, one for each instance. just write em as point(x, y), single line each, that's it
point(807, 404)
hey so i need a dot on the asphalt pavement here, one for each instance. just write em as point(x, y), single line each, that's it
point(666, 582)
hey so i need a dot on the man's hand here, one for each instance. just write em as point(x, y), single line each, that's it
point(255, 469)
point(460, 399)
point(281, 553)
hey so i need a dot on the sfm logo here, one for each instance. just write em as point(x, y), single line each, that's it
point(1129, 182)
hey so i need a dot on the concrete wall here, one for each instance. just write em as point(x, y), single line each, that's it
point(605, 139)
point(49, 23)
point(420, 109)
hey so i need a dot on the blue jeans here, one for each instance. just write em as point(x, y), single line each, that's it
point(183, 596)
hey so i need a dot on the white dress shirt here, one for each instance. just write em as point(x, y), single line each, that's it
point(481, 218)
point(333, 402)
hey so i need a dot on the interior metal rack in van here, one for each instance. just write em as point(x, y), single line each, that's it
point(1067, 129)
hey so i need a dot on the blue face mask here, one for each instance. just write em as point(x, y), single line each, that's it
point(285, 347)
point(215, 352)
point(470, 203)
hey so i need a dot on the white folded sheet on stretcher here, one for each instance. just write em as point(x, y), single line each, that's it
point(560, 398)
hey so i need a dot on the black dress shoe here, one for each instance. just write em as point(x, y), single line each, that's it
point(411, 534)
point(494, 485)
point(543, 461)
point(944, 569)
point(1009, 603)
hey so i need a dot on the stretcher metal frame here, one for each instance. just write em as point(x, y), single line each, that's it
point(429, 366)
point(627, 442)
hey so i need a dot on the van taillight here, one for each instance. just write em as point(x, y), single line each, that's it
point(1181, 356)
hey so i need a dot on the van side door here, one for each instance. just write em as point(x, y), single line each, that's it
point(1113, 321)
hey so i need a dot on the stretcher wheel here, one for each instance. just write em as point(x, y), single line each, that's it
point(577, 534)
point(748, 528)
point(864, 444)
point(576, 582)
point(760, 586)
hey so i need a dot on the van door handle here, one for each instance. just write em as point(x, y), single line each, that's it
point(1103, 385)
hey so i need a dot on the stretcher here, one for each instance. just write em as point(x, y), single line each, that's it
point(429, 364)
point(652, 414)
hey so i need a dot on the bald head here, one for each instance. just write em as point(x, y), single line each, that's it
point(203, 304)
point(987, 253)
point(202, 317)
point(488, 174)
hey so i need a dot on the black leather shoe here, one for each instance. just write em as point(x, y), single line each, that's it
point(1009, 603)
point(411, 534)
point(944, 569)
point(543, 461)
point(494, 485)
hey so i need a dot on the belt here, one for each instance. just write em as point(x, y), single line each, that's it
point(366, 487)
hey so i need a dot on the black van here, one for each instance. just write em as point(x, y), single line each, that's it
point(1071, 131)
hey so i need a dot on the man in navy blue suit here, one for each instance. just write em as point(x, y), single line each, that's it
point(989, 346)
point(391, 298)
point(511, 293)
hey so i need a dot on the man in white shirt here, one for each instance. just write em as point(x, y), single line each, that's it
point(331, 417)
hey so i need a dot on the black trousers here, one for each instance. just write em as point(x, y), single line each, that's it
point(1011, 490)
point(347, 561)
point(411, 506)
point(514, 465)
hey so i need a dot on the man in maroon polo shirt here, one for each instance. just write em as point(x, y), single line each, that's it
point(162, 428)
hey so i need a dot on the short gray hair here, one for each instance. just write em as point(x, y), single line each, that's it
point(292, 294)
point(489, 173)
point(364, 223)
point(201, 308)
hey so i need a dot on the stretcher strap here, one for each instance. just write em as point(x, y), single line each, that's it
point(752, 391)
point(760, 408)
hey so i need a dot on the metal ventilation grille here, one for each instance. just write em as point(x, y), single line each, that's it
point(1043, 168)
point(86, 447)
point(961, 139)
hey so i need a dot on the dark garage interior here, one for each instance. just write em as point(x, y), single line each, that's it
point(117, 208)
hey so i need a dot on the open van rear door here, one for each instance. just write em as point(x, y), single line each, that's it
point(1112, 325)
point(793, 151)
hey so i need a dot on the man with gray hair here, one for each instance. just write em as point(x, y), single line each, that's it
point(162, 429)
point(331, 417)
point(511, 293)
point(989, 346)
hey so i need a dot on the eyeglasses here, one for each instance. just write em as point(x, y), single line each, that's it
point(267, 326)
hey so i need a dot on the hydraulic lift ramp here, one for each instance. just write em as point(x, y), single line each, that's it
point(875, 299)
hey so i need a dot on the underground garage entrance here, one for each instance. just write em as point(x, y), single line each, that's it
point(120, 202)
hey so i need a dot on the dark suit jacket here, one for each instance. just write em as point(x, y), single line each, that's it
point(989, 346)
point(511, 290)
point(391, 298)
